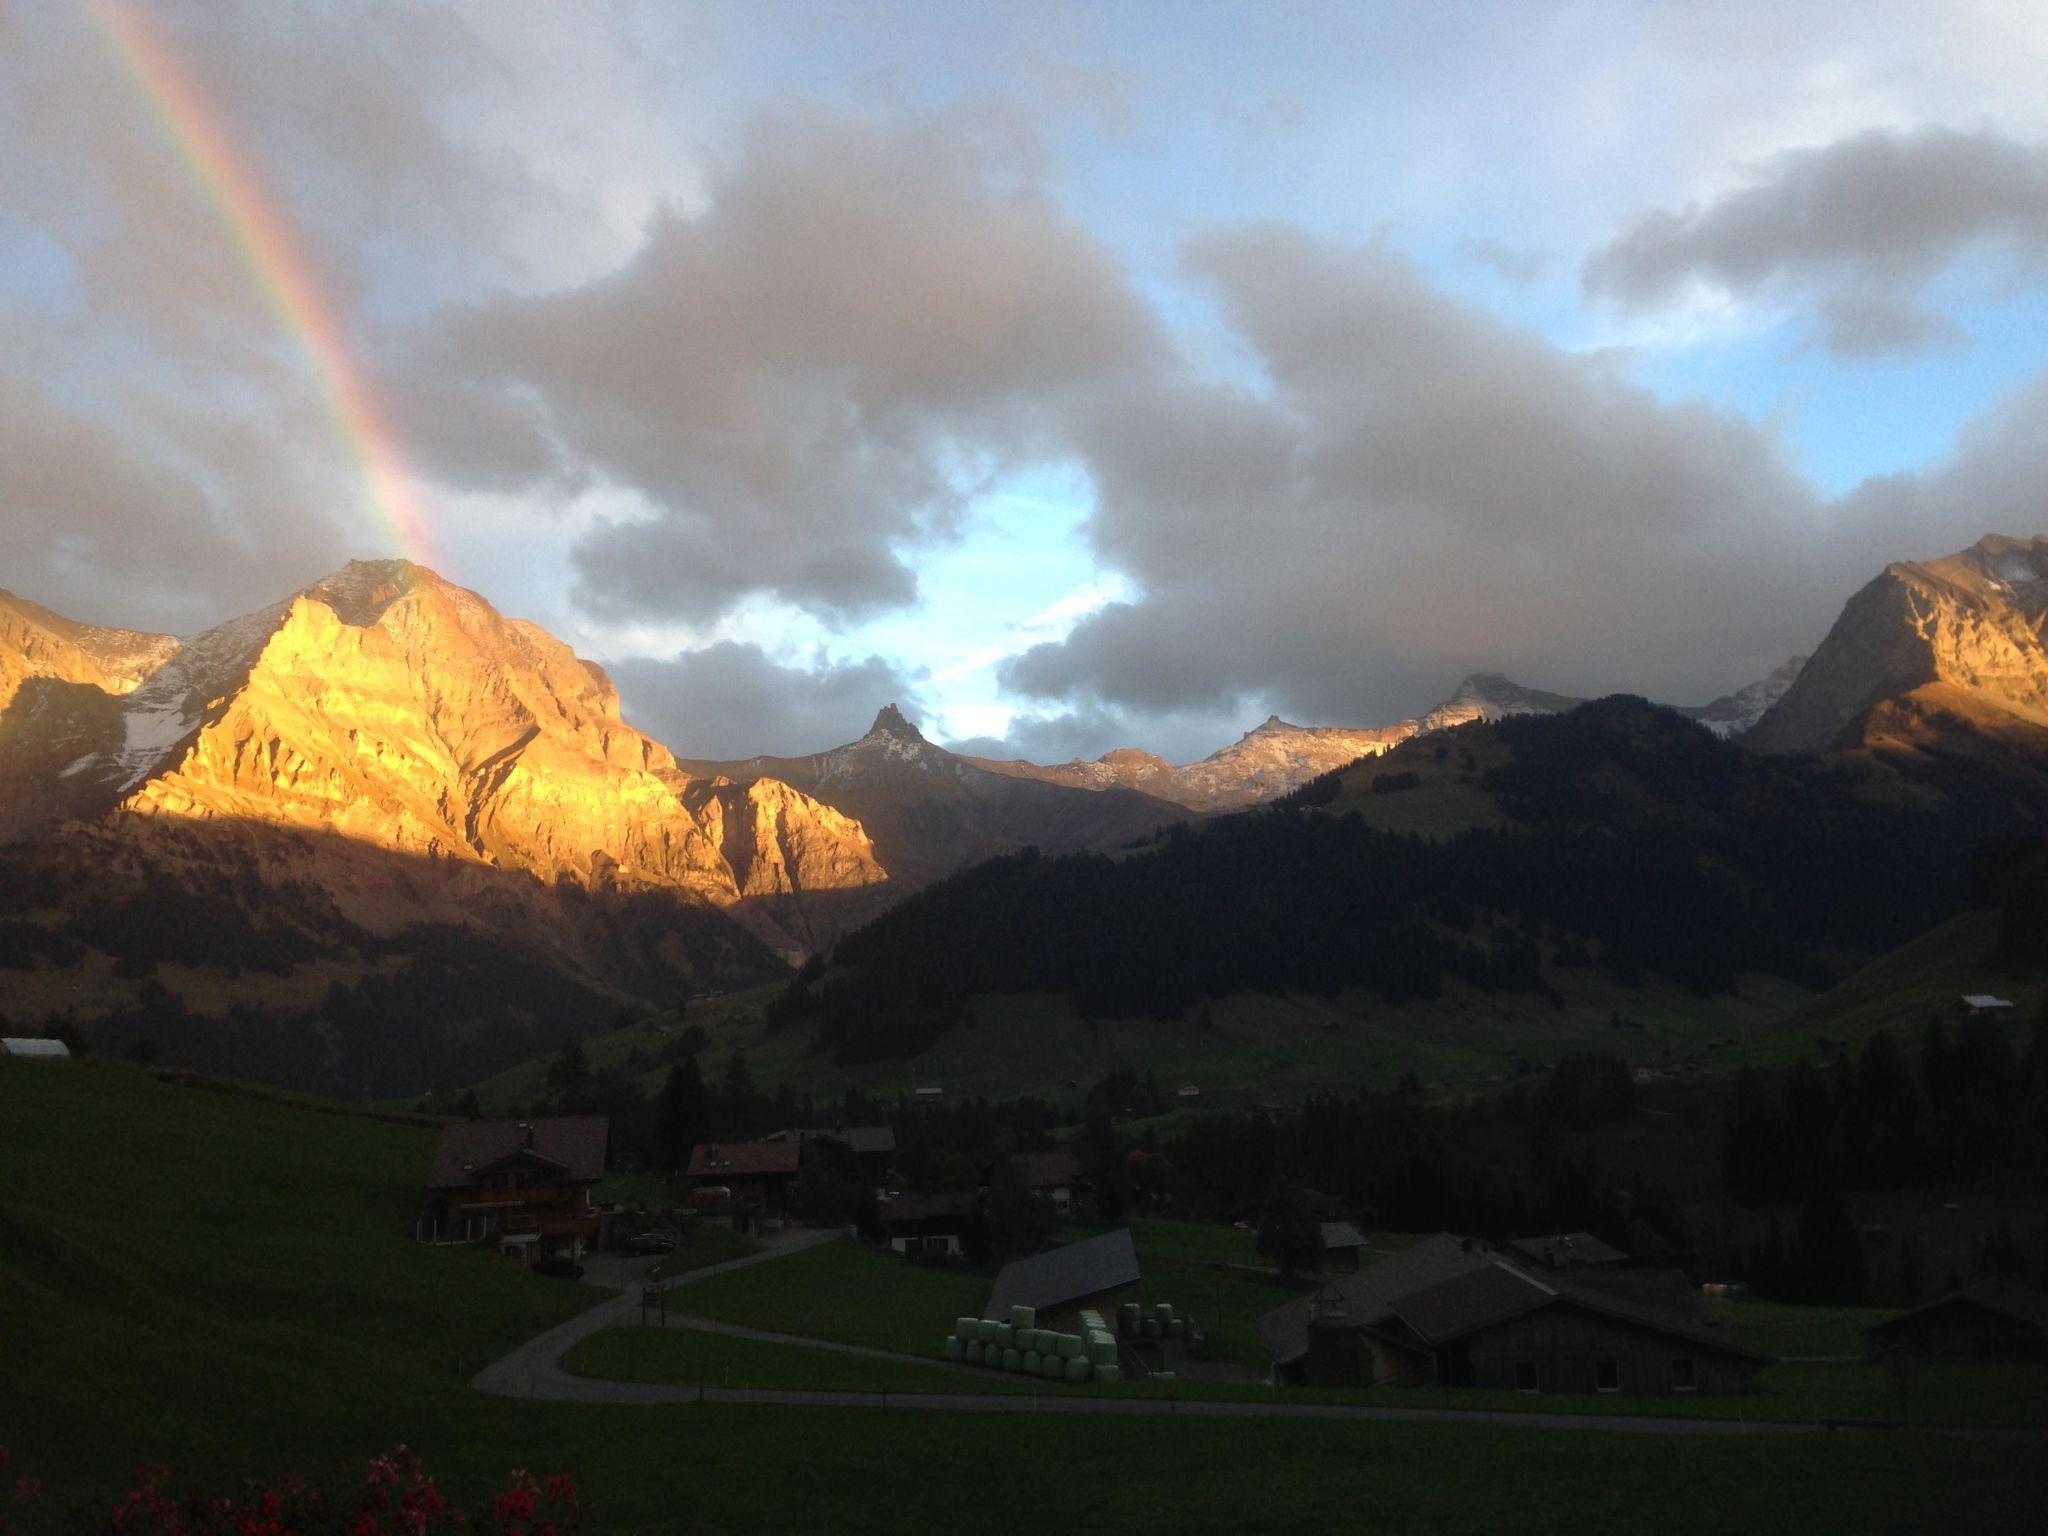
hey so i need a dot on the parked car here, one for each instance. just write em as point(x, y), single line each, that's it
point(559, 1269)
point(654, 1241)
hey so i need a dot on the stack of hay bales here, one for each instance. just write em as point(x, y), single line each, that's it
point(1020, 1345)
point(1160, 1321)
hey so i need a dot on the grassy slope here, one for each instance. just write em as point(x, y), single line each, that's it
point(1258, 1047)
point(224, 1284)
point(1904, 989)
point(844, 1293)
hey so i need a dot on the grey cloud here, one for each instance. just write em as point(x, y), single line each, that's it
point(1861, 225)
point(1090, 728)
point(1424, 491)
point(130, 526)
point(1512, 263)
point(732, 700)
point(795, 381)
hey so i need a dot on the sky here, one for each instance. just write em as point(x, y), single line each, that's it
point(1074, 376)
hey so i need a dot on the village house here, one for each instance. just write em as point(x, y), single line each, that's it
point(1342, 1245)
point(928, 1226)
point(749, 1172)
point(1062, 1283)
point(1567, 1250)
point(869, 1149)
point(1054, 1177)
point(1451, 1312)
point(523, 1185)
point(1994, 1319)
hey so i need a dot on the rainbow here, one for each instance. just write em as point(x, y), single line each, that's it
point(263, 237)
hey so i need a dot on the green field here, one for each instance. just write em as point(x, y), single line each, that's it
point(846, 1293)
point(689, 1358)
point(225, 1285)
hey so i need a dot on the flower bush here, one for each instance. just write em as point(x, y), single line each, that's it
point(394, 1497)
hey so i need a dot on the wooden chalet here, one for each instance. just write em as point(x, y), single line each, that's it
point(867, 1150)
point(523, 1185)
point(1568, 1250)
point(753, 1172)
point(1451, 1312)
point(1992, 1320)
point(1054, 1177)
point(1342, 1245)
point(928, 1226)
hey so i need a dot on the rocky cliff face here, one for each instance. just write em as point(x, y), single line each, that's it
point(387, 708)
point(36, 643)
point(1267, 761)
point(1968, 627)
point(931, 811)
point(1735, 714)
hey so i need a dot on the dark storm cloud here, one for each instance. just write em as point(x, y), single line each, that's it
point(1859, 225)
point(733, 700)
point(1424, 490)
point(1055, 737)
point(798, 380)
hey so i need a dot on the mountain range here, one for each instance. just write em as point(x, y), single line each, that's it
point(382, 772)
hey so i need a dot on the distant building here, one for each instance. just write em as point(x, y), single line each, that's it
point(45, 1050)
point(756, 1172)
point(1051, 1176)
point(929, 1226)
point(1342, 1244)
point(871, 1148)
point(930, 1095)
point(523, 1185)
point(1568, 1250)
point(1451, 1312)
point(1984, 1002)
point(1062, 1283)
point(1993, 1319)
point(1187, 1092)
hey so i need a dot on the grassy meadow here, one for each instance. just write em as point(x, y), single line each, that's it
point(225, 1285)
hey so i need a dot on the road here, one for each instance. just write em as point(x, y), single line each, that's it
point(534, 1370)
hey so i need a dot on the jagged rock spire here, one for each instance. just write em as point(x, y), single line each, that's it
point(890, 722)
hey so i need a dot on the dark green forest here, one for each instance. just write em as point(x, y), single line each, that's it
point(1637, 841)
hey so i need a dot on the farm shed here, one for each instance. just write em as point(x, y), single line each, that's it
point(1062, 1283)
point(1993, 1319)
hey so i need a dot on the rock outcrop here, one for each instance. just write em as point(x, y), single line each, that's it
point(1963, 635)
point(931, 811)
point(387, 708)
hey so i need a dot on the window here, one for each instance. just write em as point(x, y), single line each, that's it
point(1607, 1375)
point(1682, 1377)
point(1525, 1375)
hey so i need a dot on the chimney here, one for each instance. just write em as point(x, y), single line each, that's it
point(524, 1126)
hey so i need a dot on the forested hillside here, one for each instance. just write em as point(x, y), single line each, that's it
point(1634, 840)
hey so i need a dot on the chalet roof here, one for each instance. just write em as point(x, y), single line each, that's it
point(1466, 1303)
point(573, 1143)
point(1983, 1000)
point(1341, 1234)
point(1369, 1294)
point(1567, 1250)
point(15, 1046)
point(2003, 1298)
point(745, 1159)
point(1448, 1287)
point(1046, 1170)
point(917, 1206)
point(1061, 1275)
point(863, 1139)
